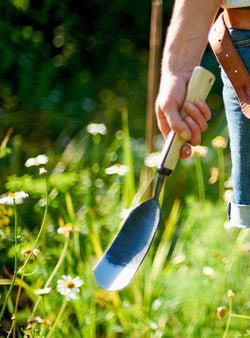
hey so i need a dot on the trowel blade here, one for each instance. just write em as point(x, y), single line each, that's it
point(120, 262)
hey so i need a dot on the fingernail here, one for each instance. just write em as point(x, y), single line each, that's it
point(189, 120)
point(189, 106)
point(184, 135)
point(200, 103)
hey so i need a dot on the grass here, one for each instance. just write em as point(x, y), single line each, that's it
point(180, 288)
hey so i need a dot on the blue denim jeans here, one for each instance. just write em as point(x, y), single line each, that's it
point(239, 134)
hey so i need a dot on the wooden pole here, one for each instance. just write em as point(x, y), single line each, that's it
point(153, 70)
point(153, 74)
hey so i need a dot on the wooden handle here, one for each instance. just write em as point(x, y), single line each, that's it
point(199, 86)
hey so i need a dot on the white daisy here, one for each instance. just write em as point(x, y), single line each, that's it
point(42, 292)
point(208, 271)
point(152, 159)
point(69, 287)
point(200, 151)
point(97, 128)
point(66, 229)
point(36, 161)
point(27, 251)
point(19, 197)
point(118, 169)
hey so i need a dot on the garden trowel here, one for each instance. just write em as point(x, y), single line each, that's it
point(122, 259)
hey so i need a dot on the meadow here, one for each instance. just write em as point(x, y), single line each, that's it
point(59, 217)
point(74, 162)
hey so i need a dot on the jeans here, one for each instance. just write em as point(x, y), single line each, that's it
point(239, 134)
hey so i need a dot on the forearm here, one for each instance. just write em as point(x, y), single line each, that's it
point(187, 35)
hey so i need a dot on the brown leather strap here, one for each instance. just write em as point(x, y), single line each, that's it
point(231, 62)
point(237, 18)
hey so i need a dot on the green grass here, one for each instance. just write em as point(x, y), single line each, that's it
point(193, 262)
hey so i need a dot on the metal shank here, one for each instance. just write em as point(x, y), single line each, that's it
point(159, 185)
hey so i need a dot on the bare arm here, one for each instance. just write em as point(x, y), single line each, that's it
point(185, 44)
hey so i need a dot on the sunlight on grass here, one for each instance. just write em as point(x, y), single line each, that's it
point(180, 290)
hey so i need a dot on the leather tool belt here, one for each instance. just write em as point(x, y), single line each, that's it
point(237, 18)
point(227, 55)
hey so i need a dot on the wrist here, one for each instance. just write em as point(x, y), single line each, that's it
point(181, 59)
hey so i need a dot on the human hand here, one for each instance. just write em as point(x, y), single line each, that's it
point(168, 105)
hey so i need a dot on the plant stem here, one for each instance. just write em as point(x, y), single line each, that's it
point(12, 328)
point(16, 306)
point(44, 316)
point(15, 267)
point(228, 319)
point(221, 172)
point(96, 143)
point(58, 317)
point(63, 253)
point(200, 179)
point(240, 316)
point(129, 180)
point(41, 228)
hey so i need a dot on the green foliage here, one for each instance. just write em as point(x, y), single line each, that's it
point(62, 63)
point(66, 63)
point(4, 152)
point(185, 278)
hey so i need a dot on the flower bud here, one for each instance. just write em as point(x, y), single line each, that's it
point(221, 312)
point(231, 294)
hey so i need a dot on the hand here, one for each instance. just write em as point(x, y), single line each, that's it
point(168, 104)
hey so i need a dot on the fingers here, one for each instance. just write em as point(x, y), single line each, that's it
point(179, 125)
point(168, 117)
point(199, 111)
point(195, 130)
point(189, 128)
point(203, 108)
point(198, 114)
point(162, 123)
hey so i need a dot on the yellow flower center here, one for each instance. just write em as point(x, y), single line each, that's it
point(12, 194)
point(68, 225)
point(69, 284)
point(26, 251)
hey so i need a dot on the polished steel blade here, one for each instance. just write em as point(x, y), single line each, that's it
point(126, 253)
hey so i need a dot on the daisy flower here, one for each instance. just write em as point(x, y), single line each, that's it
point(42, 292)
point(97, 128)
point(230, 294)
point(152, 159)
point(69, 287)
point(19, 197)
point(27, 251)
point(118, 169)
point(208, 271)
point(219, 142)
point(200, 151)
point(36, 161)
point(66, 229)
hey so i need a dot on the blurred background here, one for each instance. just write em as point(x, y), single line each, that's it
point(64, 63)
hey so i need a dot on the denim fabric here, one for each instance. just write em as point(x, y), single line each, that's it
point(239, 133)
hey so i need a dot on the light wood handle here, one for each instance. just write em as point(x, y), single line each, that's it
point(199, 86)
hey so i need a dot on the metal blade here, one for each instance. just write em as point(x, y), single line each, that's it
point(126, 253)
